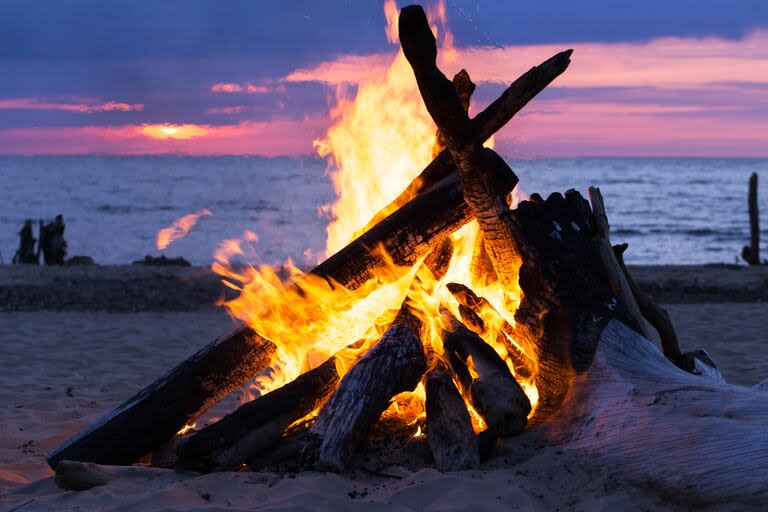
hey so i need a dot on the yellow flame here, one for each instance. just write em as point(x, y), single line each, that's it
point(185, 429)
point(380, 140)
point(178, 229)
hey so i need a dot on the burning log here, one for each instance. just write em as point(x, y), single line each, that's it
point(485, 379)
point(485, 124)
point(393, 365)
point(472, 309)
point(449, 426)
point(159, 411)
point(258, 424)
point(475, 164)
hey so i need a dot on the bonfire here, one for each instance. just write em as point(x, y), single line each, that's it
point(465, 313)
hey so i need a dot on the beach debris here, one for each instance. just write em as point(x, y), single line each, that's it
point(751, 252)
point(52, 243)
point(163, 261)
point(26, 253)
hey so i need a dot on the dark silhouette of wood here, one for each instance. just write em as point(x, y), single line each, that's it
point(655, 314)
point(751, 253)
point(26, 253)
point(464, 139)
point(464, 88)
point(258, 424)
point(52, 242)
point(393, 365)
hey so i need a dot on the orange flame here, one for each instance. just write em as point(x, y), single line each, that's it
point(178, 229)
point(381, 138)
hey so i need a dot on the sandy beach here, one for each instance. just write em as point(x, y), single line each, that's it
point(76, 342)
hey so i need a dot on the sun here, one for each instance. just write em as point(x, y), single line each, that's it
point(174, 131)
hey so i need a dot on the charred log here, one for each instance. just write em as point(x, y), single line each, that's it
point(257, 424)
point(485, 379)
point(473, 308)
point(393, 365)
point(159, 411)
point(464, 139)
point(449, 426)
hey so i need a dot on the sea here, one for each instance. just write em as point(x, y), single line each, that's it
point(669, 210)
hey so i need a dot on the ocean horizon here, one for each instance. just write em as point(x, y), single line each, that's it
point(670, 210)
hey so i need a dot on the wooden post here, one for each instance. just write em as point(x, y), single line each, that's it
point(751, 253)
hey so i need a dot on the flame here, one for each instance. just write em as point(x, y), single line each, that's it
point(178, 229)
point(381, 138)
point(185, 429)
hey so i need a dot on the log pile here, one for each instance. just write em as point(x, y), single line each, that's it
point(580, 334)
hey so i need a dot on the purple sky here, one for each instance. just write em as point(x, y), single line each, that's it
point(656, 78)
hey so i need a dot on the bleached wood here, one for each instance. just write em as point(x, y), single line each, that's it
point(635, 412)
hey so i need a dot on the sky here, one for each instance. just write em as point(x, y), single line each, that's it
point(651, 78)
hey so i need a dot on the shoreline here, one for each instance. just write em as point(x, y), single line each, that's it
point(123, 288)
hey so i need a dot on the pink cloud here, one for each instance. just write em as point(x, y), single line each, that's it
point(233, 88)
point(84, 107)
point(267, 138)
point(662, 62)
point(227, 110)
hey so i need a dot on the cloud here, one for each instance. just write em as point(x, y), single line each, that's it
point(234, 88)
point(83, 107)
point(661, 62)
point(265, 138)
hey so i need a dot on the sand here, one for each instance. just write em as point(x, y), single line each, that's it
point(63, 363)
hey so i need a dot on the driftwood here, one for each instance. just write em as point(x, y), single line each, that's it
point(258, 424)
point(608, 394)
point(698, 361)
point(155, 414)
point(449, 426)
point(485, 124)
point(159, 411)
point(751, 253)
point(617, 278)
point(393, 365)
point(26, 252)
point(485, 379)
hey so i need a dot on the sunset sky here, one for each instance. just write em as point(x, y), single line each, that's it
point(651, 78)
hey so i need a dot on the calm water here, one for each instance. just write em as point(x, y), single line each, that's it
point(669, 210)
